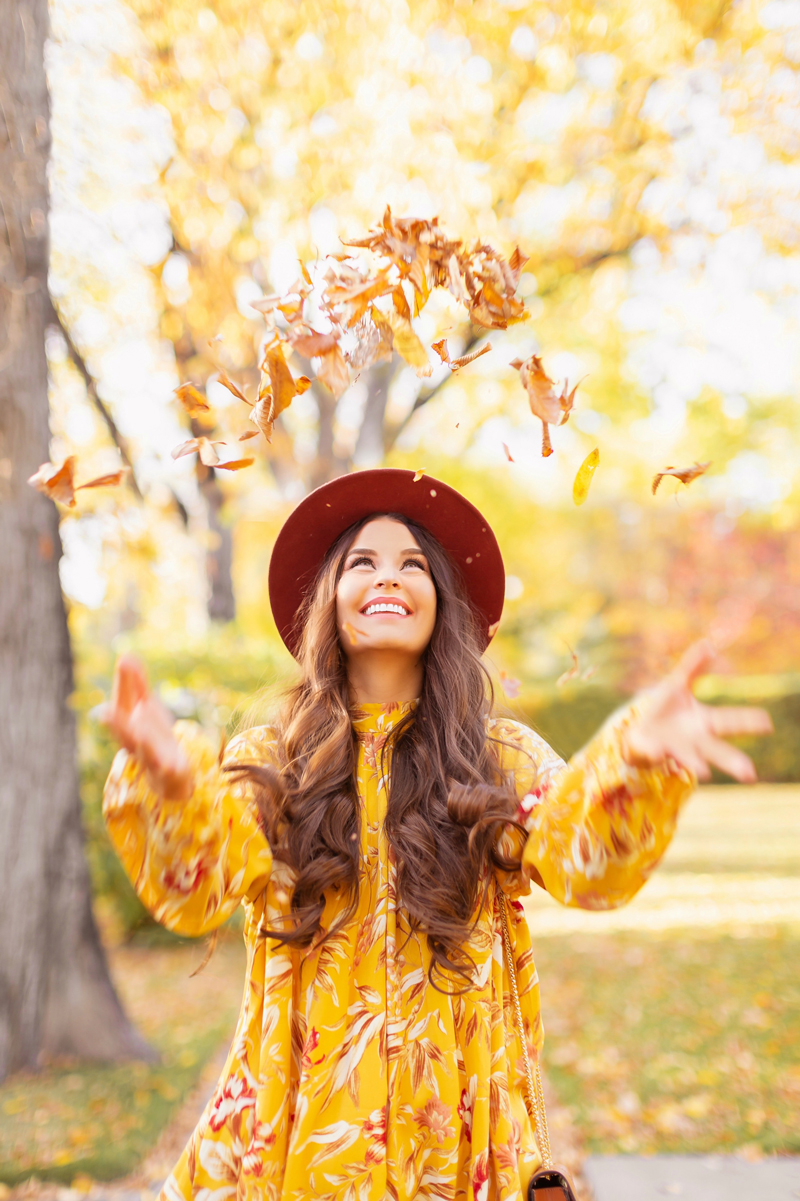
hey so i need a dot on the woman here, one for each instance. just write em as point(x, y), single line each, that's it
point(368, 833)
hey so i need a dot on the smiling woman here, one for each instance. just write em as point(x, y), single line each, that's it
point(373, 832)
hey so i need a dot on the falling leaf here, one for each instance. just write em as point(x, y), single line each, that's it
point(333, 371)
point(281, 380)
point(306, 276)
point(352, 633)
point(210, 949)
point(493, 628)
point(302, 384)
point(511, 687)
point(223, 379)
point(546, 403)
point(202, 447)
point(57, 482)
point(192, 400)
point(234, 464)
point(684, 474)
point(248, 434)
point(313, 344)
point(580, 489)
point(571, 673)
point(442, 351)
point(261, 416)
point(454, 364)
point(266, 305)
point(508, 453)
point(418, 475)
point(409, 346)
point(105, 481)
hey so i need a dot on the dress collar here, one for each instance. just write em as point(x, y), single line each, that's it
point(379, 718)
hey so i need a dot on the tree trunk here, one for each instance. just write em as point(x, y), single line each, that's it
point(56, 995)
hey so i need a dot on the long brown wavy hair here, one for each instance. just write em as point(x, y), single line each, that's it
point(447, 802)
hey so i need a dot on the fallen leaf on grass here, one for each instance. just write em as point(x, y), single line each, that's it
point(192, 400)
point(684, 474)
point(580, 489)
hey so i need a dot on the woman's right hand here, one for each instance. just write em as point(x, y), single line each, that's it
point(141, 724)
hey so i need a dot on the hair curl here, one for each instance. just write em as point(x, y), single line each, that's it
point(448, 800)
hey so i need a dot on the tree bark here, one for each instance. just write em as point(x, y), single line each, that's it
point(56, 995)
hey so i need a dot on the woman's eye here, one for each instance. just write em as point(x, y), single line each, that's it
point(361, 559)
point(414, 563)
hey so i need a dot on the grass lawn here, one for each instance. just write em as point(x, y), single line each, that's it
point(673, 1025)
point(78, 1119)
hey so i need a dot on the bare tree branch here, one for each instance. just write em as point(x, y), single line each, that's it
point(91, 391)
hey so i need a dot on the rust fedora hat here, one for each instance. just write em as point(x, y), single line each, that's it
point(324, 514)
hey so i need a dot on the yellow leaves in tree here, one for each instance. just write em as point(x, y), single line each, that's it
point(583, 479)
point(684, 474)
point(549, 405)
point(58, 483)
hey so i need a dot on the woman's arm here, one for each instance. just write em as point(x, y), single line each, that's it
point(599, 825)
point(187, 834)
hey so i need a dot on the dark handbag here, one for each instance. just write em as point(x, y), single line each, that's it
point(548, 1183)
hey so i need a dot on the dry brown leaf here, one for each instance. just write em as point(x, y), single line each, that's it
point(210, 949)
point(571, 673)
point(312, 344)
point(106, 481)
point(223, 379)
point(200, 446)
point(248, 434)
point(333, 371)
point(400, 303)
point(266, 305)
point(234, 464)
point(442, 351)
point(684, 474)
point(550, 406)
point(508, 453)
point(192, 400)
point(281, 380)
point(408, 345)
point(261, 415)
point(57, 482)
point(464, 359)
point(302, 384)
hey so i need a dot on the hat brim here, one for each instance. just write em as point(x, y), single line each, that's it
point(324, 514)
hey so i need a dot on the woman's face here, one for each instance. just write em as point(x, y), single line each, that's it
point(385, 599)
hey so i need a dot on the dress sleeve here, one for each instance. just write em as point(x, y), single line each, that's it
point(597, 827)
point(191, 861)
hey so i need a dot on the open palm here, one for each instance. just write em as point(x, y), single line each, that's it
point(674, 725)
point(143, 726)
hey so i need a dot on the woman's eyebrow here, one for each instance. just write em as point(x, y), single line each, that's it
point(413, 550)
point(362, 550)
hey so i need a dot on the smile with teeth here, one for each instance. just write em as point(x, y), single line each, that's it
point(386, 607)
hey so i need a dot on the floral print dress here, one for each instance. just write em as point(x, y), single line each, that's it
point(350, 1076)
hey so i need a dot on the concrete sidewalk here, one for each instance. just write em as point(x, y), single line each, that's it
point(692, 1178)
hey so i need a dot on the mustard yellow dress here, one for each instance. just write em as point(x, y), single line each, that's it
point(350, 1077)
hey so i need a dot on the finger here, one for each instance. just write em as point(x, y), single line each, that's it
point(694, 662)
point(693, 762)
point(130, 685)
point(734, 721)
point(730, 760)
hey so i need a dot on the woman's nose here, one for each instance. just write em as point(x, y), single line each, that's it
point(387, 581)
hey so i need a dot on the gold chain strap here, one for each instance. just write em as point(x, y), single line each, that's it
point(533, 1077)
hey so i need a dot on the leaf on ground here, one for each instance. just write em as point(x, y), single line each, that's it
point(684, 474)
point(192, 400)
point(583, 478)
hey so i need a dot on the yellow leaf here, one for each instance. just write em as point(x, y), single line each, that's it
point(419, 474)
point(580, 489)
point(281, 380)
point(192, 400)
point(234, 464)
point(408, 344)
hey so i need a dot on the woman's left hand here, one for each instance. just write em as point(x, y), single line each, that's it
point(675, 725)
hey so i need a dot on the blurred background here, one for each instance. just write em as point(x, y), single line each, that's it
point(645, 156)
